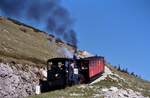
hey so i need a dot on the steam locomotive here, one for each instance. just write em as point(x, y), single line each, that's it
point(62, 72)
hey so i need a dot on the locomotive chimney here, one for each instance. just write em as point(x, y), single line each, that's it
point(75, 56)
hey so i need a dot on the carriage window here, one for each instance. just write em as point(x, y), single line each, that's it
point(50, 65)
point(92, 63)
point(99, 62)
point(66, 64)
point(60, 64)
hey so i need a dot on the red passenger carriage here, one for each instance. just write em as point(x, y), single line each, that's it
point(91, 68)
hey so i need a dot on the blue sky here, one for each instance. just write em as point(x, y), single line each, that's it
point(119, 30)
point(116, 29)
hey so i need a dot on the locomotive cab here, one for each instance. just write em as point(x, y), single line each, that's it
point(58, 70)
point(57, 74)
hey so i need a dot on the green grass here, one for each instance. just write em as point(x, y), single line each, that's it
point(69, 92)
point(84, 92)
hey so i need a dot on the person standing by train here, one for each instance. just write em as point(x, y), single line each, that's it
point(75, 69)
point(62, 74)
point(71, 73)
point(76, 74)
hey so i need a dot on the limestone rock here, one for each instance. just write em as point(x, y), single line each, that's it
point(16, 83)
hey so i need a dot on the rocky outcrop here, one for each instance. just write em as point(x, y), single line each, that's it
point(15, 82)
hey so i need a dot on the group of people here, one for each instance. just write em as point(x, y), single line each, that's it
point(66, 73)
point(57, 75)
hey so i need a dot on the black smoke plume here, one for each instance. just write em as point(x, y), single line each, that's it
point(49, 12)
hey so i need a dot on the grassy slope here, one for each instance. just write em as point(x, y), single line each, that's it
point(71, 92)
point(130, 82)
point(29, 45)
point(133, 82)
